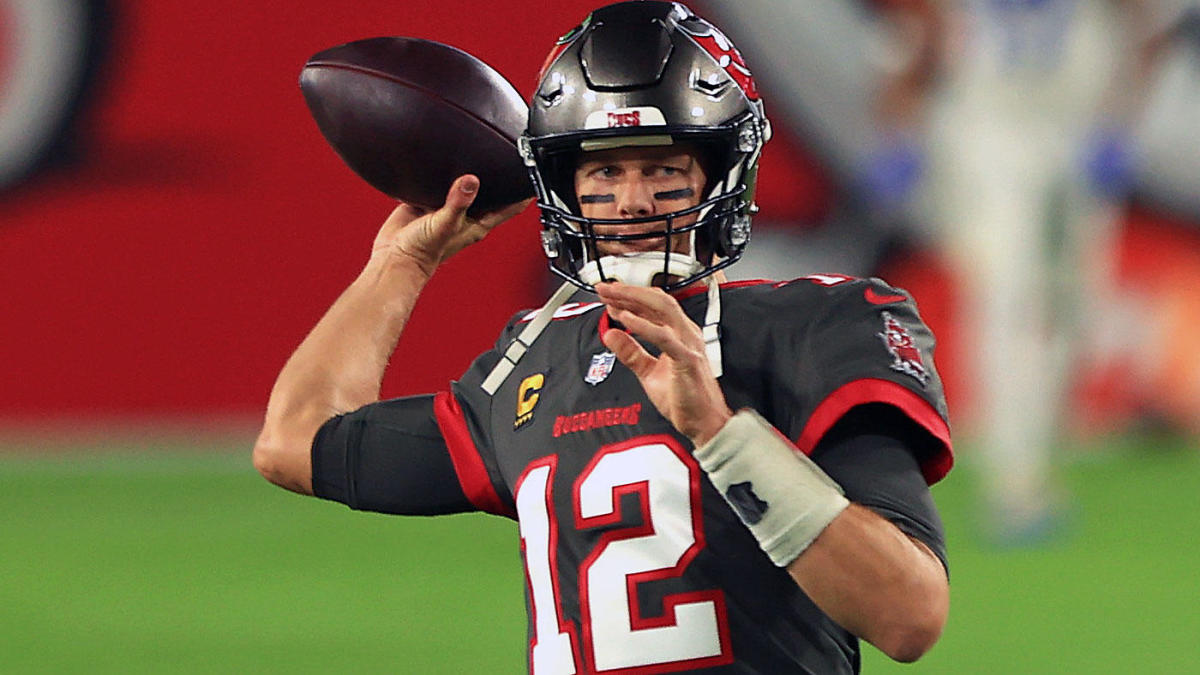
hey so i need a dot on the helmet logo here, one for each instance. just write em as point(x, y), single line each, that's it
point(726, 55)
point(640, 116)
point(633, 118)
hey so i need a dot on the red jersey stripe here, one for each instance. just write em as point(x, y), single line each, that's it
point(700, 287)
point(872, 390)
point(468, 465)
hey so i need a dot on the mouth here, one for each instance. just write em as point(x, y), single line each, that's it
point(647, 245)
point(655, 245)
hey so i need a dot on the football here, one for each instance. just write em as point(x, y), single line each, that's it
point(411, 115)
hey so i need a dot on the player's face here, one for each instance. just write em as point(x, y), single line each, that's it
point(637, 182)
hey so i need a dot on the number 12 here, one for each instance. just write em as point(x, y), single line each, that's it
point(693, 629)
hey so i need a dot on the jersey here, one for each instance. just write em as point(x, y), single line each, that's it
point(634, 562)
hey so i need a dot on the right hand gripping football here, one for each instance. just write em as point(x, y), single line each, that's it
point(429, 238)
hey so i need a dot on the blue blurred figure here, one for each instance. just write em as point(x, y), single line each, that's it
point(1030, 158)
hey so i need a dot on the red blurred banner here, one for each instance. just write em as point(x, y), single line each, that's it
point(202, 225)
point(205, 225)
point(171, 268)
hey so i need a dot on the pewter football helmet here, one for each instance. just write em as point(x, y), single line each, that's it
point(645, 73)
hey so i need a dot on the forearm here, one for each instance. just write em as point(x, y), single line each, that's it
point(910, 68)
point(876, 582)
point(338, 367)
point(859, 568)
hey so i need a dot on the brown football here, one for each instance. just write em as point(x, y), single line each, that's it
point(410, 115)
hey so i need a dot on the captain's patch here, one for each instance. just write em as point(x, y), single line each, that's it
point(528, 394)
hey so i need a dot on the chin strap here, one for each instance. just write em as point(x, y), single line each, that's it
point(520, 344)
point(638, 269)
point(712, 327)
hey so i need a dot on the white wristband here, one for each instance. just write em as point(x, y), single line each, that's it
point(784, 498)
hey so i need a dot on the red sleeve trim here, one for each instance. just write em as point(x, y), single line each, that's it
point(872, 390)
point(698, 288)
point(468, 465)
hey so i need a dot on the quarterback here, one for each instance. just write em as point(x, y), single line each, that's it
point(707, 476)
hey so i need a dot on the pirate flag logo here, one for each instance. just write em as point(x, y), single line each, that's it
point(906, 358)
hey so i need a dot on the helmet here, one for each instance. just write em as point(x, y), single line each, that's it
point(634, 74)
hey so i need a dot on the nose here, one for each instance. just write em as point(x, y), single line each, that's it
point(635, 199)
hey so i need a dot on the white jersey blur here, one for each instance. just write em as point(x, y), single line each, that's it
point(1026, 84)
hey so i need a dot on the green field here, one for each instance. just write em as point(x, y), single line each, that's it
point(186, 561)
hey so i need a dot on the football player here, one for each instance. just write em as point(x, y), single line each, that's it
point(1031, 157)
point(727, 477)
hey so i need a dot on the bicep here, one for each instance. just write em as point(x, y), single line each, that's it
point(389, 457)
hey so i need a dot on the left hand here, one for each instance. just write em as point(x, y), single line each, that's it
point(679, 381)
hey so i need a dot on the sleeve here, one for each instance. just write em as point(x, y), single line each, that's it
point(866, 344)
point(420, 455)
point(878, 469)
point(389, 457)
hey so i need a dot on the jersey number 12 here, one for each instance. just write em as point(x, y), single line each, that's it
point(692, 630)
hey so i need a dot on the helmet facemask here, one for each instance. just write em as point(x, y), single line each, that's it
point(681, 95)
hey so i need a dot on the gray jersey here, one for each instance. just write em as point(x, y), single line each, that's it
point(634, 563)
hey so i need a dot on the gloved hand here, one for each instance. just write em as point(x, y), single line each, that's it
point(1108, 160)
point(891, 172)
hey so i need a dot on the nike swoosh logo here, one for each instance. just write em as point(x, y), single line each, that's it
point(877, 299)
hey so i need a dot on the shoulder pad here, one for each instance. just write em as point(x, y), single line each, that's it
point(872, 290)
point(567, 311)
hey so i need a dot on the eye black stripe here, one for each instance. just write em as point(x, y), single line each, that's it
point(675, 194)
point(597, 199)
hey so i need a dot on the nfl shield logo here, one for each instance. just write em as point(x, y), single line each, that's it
point(602, 365)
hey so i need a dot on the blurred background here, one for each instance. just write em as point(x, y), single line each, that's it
point(172, 223)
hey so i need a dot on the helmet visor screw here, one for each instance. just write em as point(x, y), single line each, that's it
point(551, 243)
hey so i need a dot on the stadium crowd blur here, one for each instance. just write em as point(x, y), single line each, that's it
point(1017, 147)
point(157, 184)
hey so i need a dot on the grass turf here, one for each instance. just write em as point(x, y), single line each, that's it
point(188, 562)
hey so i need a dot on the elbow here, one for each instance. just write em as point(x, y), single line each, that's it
point(287, 465)
point(909, 643)
point(917, 631)
point(265, 458)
